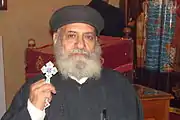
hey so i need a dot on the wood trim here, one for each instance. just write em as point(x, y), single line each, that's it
point(2, 82)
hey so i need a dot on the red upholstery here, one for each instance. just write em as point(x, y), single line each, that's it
point(117, 54)
point(36, 59)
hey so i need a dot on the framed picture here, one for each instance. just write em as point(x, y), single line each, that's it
point(3, 4)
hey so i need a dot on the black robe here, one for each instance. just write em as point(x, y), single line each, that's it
point(73, 101)
point(114, 18)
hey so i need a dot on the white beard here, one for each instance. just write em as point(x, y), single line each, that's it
point(77, 65)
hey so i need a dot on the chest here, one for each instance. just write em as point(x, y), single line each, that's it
point(85, 103)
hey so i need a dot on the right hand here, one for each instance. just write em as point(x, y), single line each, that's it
point(39, 92)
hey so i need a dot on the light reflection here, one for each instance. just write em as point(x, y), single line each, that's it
point(2, 3)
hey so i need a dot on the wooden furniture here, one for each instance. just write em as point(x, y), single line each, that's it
point(155, 103)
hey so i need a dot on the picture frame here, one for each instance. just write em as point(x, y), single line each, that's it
point(3, 4)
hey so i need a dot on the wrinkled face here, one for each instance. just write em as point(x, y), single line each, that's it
point(79, 36)
point(77, 51)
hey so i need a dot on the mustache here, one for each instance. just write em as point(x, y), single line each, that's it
point(79, 51)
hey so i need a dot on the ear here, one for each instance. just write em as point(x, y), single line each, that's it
point(55, 38)
point(97, 39)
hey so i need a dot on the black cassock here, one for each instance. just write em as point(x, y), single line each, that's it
point(73, 101)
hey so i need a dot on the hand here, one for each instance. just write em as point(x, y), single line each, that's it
point(39, 92)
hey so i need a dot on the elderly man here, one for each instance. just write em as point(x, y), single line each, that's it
point(82, 89)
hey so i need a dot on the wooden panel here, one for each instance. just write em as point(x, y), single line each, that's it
point(155, 103)
point(158, 109)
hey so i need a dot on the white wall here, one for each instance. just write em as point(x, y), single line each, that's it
point(2, 88)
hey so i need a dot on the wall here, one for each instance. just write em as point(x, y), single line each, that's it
point(23, 20)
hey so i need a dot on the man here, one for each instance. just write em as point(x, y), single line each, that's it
point(82, 89)
point(114, 18)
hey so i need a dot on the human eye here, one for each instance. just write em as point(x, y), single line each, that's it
point(71, 36)
point(89, 37)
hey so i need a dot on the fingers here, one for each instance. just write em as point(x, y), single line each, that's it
point(41, 85)
point(37, 84)
point(48, 96)
point(41, 93)
point(47, 88)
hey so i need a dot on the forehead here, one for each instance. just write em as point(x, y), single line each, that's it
point(79, 27)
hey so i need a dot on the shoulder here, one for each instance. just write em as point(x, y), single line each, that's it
point(117, 80)
point(39, 77)
point(113, 75)
point(24, 90)
point(120, 89)
point(25, 87)
point(120, 85)
point(32, 80)
point(21, 96)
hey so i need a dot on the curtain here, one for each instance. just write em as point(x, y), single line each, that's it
point(158, 48)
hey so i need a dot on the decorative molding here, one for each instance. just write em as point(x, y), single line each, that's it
point(2, 82)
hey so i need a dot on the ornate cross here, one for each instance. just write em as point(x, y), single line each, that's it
point(49, 70)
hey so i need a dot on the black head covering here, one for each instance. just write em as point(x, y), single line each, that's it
point(76, 14)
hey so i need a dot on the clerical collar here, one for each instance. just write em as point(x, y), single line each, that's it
point(81, 81)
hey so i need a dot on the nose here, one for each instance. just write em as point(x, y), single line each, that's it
point(80, 44)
